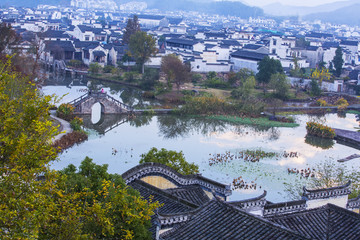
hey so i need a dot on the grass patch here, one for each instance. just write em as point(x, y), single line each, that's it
point(352, 112)
point(263, 121)
point(287, 113)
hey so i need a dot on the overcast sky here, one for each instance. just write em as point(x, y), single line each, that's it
point(290, 2)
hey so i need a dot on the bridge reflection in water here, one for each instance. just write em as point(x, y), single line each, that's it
point(105, 123)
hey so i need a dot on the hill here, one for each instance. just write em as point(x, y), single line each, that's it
point(278, 9)
point(346, 15)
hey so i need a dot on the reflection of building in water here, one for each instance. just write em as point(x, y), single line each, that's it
point(195, 207)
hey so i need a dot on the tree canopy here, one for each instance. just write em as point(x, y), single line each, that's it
point(132, 26)
point(173, 159)
point(280, 84)
point(38, 203)
point(267, 67)
point(338, 61)
point(142, 47)
point(176, 71)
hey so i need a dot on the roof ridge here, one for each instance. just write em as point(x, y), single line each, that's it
point(264, 220)
point(166, 194)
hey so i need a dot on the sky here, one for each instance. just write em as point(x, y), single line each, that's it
point(309, 3)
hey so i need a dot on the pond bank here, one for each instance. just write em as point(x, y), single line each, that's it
point(349, 138)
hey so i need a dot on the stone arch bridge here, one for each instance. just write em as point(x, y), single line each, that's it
point(109, 105)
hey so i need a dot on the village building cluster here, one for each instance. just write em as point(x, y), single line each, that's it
point(208, 43)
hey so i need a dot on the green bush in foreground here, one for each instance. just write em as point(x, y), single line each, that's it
point(173, 159)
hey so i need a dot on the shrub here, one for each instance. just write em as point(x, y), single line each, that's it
point(321, 102)
point(108, 69)
point(342, 104)
point(148, 94)
point(94, 68)
point(65, 111)
point(76, 123)
point(75, 63)
point(320, 130)
point(70, 140)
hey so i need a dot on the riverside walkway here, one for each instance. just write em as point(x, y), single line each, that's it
point(346, 137)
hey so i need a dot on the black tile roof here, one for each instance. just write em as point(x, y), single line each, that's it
point(54, 34)
point(312, 48)
point(171, 204)
point(219, 220)
point(157, 169)
point(99, 54)
point(230, 42)
point(182, 41)
point(329, 222)
point(319, 35)
point(349, 43)
point(192, 193)
point(250, 55)
point(215, 35)
point(330, 45)
point(55, 45)
point(252, 46)
point(83, 44)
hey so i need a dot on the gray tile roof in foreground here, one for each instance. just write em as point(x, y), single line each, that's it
point(219, 220)
point(329, 222)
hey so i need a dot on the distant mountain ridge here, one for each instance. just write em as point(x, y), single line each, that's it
point(29, 3)
point(347, 15)
point(211, 7)
point(278, 9)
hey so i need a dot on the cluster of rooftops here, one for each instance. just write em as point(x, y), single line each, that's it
point(195, 207)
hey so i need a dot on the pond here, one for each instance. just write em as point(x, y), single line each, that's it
point(119, 142)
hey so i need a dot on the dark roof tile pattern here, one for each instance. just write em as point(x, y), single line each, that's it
point(55, 45)
point(171, 204)
point(250, 55)
point(193, 194)
point(349, 43)
point(329, 222)
point(218, 220)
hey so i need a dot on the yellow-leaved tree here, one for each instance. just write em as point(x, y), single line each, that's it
point(39, 203)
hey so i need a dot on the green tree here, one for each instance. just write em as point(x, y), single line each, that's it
point(94, 68)
point(267, 67)
point(338, 61)
point(25, 150)
point(37, 203)
point(246, 89)
point(123, 214)
point(239, 77)
point(176, 71)
point(315, 89)
point(142, 47)
point(173, 159)
point(280, 84)
point(132, 26)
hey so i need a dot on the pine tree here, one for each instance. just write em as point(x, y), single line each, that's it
point(338, 61)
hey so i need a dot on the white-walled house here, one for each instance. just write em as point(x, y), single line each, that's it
point(246, 59)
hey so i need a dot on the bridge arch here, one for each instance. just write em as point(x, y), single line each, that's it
point(84, 104)
point(97, 113)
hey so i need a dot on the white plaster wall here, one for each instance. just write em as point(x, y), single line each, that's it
point(340, 201)
point(243, 63)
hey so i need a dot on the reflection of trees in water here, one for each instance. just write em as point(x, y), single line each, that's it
point(140, 120)
point(323, 143)
point(271, 133)
point(175, 126)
